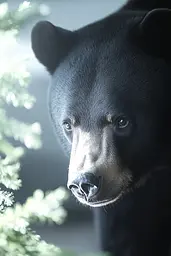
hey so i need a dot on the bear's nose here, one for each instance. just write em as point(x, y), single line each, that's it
point(86, 185)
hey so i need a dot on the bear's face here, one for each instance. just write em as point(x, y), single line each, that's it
point(109, 101)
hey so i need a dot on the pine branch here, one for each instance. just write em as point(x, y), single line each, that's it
point(14, 82)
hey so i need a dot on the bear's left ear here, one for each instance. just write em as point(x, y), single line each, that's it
point(155, 31)
point(51, 44)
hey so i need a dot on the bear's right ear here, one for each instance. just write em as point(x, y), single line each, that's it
point(155, 31)
point(50, 44)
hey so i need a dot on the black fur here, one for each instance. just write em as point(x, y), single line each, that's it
point(147, 5)
point(140, 223)
point(120, 64)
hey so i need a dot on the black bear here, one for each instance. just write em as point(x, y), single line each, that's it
point(110, 105)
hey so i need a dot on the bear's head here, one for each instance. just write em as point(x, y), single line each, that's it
point(109, 99)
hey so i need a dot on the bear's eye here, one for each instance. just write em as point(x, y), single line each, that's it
point(121, 122)
point(67, 126)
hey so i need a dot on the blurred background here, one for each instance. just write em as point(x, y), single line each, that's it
point(47, 168)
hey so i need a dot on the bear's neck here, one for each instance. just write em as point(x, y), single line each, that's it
point(140, 224)
point(147, 4)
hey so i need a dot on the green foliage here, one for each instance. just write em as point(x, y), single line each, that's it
point(16, 237)
point(14, 20)
point(14, 82)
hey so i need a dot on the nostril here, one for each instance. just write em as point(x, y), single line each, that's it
point(91, 187)
point(85, 188)
point(89, 190)
point(73, 186)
